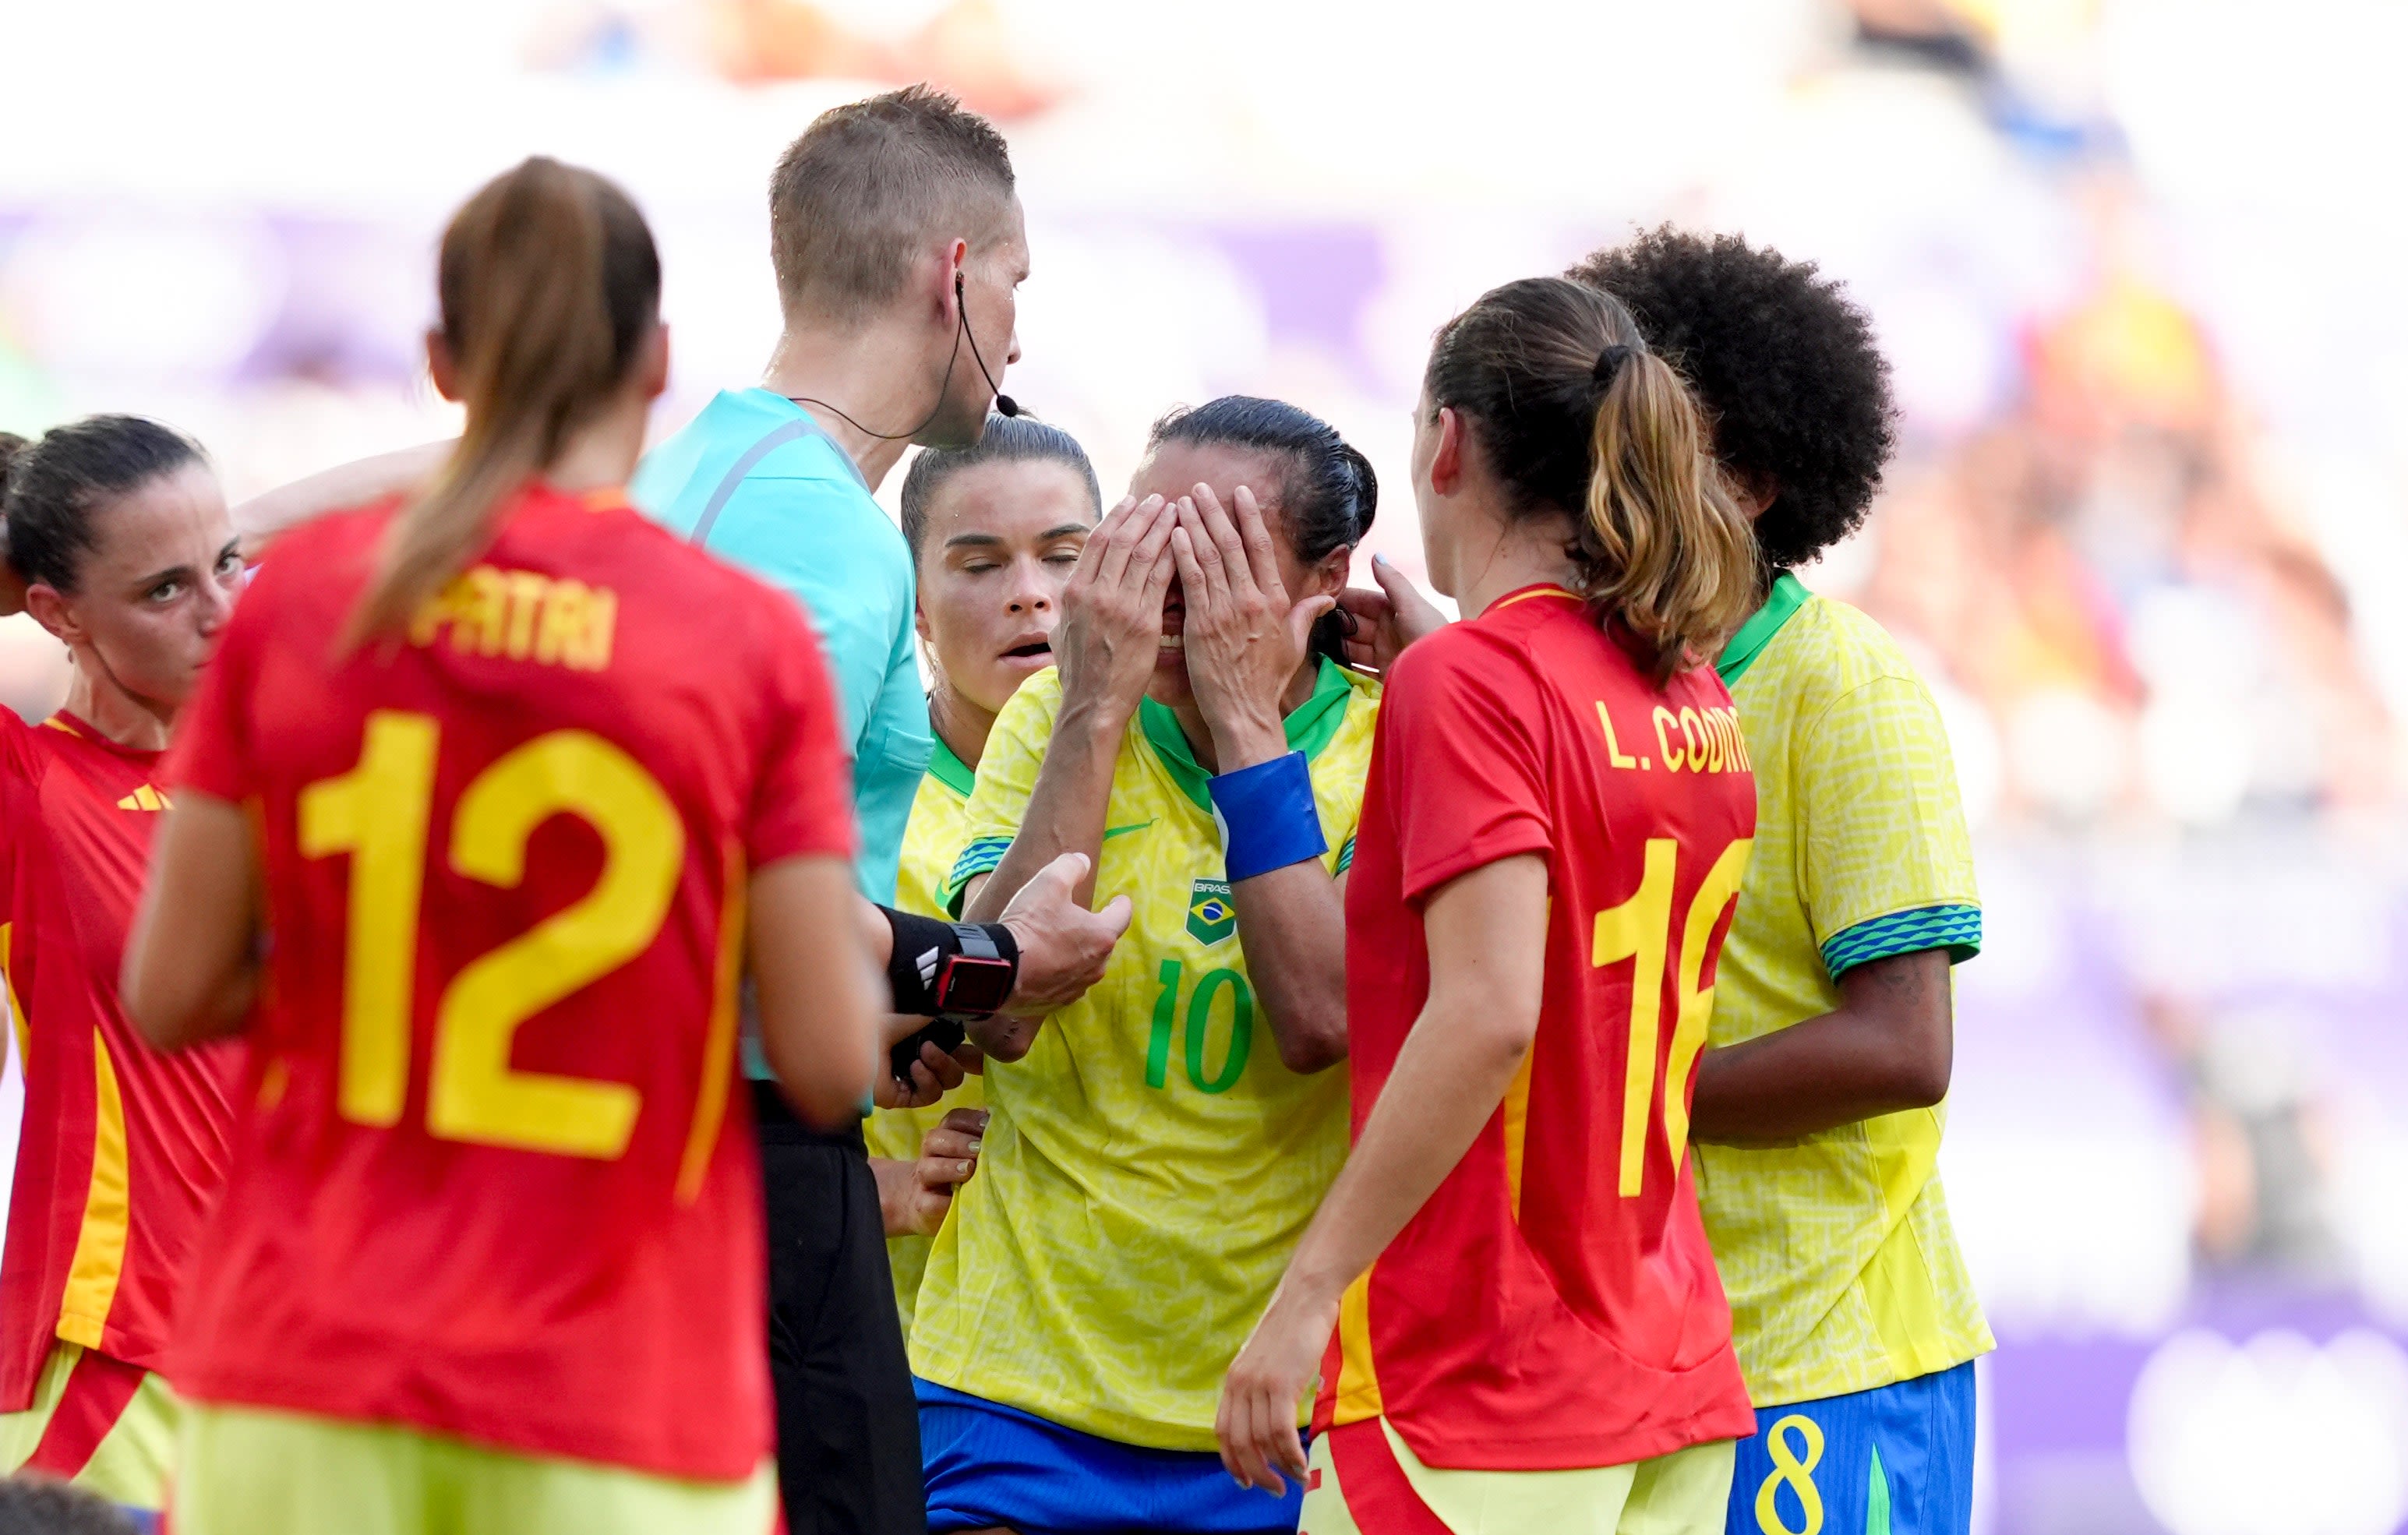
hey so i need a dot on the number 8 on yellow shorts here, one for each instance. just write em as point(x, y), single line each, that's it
point(1894, 1460)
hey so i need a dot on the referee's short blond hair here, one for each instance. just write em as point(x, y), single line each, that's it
point(868, 185)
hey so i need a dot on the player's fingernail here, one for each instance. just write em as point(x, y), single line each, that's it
point(975, 1144)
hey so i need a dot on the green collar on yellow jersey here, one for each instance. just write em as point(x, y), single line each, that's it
point(1787, 595)
point(1309, 729)
point(950, 771)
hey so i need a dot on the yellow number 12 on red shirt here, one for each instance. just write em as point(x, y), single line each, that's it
point(378, 812)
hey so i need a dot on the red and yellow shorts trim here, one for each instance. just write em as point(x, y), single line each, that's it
point(1366, 1479)
point(107, 1427)
point(252, 1472)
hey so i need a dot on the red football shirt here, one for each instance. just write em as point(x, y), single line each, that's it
point(120, 1148)
point(1554, 1304)
point(493, 1175)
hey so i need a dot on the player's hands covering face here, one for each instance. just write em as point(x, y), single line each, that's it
point(1245, 637)
point(1112, 609)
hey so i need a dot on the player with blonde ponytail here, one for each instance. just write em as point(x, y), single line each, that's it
point(1557, 820)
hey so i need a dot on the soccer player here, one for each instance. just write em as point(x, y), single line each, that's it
point(1529, 1334)
point(487, 1257)
point(1819, 1104)
point(995, 530)
point(120, 544)
point(1155, 1148)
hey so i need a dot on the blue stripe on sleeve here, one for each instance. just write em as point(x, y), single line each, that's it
point(1955, 929)
point(978, 858)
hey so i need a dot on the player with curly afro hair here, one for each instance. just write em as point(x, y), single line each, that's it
point(1813, 1142)
point(1785, 362)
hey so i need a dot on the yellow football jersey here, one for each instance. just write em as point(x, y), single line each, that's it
point(1151, 1162)
point(932, 840)
point(1836, 1250)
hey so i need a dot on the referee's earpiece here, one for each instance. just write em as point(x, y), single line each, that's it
point(1004, 404)
point(1003, 401)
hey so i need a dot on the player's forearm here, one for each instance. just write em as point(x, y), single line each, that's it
point(820, 1001)
point(897, 1182)
point(261, 517)
point(1886, 1049)
point(1486, 933)
point(1066, 811)
point(190, 965)
point(1292, 925)
point(1448, 1081)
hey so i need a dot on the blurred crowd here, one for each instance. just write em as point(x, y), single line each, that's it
point(2106, 568)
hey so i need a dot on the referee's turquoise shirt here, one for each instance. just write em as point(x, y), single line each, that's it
point(802, 519)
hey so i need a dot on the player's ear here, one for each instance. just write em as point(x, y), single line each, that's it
point(1446, 464)
point(1327, 577)
point(653, 364)
point(1753, 490)
point(441, 366)
point(919, 623)
point(53, 612)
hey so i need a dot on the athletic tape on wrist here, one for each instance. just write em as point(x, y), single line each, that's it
point(1267, 817)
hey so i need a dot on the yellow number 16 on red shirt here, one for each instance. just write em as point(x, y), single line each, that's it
point(1640, 930)
point(378, 812)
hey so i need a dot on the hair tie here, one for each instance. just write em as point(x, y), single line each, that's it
point(1608, 363)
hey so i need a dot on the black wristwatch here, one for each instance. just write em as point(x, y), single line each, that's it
point(975, 982)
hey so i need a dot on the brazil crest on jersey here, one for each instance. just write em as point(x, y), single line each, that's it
point(1151, 1162)
point(932, 840)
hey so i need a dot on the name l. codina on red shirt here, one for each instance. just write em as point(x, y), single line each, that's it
point(121, 1148)
point(492, 1174)
point(1555, 1305)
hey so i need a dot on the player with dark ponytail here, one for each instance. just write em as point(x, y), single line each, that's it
point(119, 543)
point(1557, 820)
point(488, 1256)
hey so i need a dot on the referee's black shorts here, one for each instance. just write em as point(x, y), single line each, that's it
point(848, 1428)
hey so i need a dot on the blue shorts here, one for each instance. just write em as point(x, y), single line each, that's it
point(1894, 1460)
point(989, 1464)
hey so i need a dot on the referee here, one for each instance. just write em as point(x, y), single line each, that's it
point(898, 241)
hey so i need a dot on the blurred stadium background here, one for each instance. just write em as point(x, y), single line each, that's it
point(2133, 259)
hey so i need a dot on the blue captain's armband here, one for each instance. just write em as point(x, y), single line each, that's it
point(1955, 929)
point(1266, 816)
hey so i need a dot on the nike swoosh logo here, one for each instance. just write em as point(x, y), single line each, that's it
point(1110, 832)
